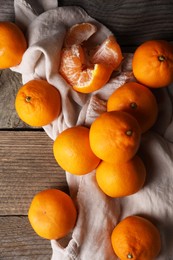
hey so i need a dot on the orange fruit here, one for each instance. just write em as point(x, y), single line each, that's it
point(87, 69)
point(52, 214)
point(152, 63)
point(38, 103)
point(82, 78)
point(79, 33)
point(72, 151)
point(12, 45)
point(136, 238)
point(137, 100)
point(115, 136)
point(121, 179)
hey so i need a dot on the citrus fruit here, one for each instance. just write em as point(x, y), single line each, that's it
point(74, 70)
point(121, 179)
point(52, 214)
point(12, 45)
point(109, 52)
point(136, 238)
point(115, 136)
point(88, 69)
point(138, 100)
point(72, 151)
point(152, 63)
point(38, 103)
point(79, 33)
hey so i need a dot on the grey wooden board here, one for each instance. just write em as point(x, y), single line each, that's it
point(10, 82)
point(27, 166)
point(20, 242)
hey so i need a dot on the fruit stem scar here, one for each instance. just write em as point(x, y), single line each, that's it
point(28, 99)
point(161, 58)
point(133, 105)
point(129, 256)
point(129, 132)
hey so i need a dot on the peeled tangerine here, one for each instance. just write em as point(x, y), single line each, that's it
point(88, 69)
point(136, 238)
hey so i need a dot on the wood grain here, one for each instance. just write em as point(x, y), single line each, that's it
point(132, 21)
point(27, 166)
point(10, 82)
point(20, 242)
point(7, 10)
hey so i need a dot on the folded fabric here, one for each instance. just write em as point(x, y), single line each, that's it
point(97, 213)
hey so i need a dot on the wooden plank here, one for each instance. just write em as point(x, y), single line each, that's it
point(132, 21)
point(20, 242)
point(10, 82)
point(7, 10)
point(27, 165)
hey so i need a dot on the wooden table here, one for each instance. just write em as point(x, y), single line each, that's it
point(27, 165)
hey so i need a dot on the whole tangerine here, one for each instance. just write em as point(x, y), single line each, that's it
point(137, 100)
point(52, 214)
point(72, 151)
point(38, 103)
point(12, 45)
point(115, 136)
point(152, 63)
point(136, 238)
point(121, 179)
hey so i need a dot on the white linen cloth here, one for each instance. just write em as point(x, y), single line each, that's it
point(45, 25)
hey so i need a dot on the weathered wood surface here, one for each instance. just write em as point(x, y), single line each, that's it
point(132, 21)
point(9, 85)
point(7, 10)
point(19, 242)
point(27, 167)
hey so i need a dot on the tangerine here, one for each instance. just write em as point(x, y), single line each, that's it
point(115, 136)
point(121, 179)
point(72, 151)
point(152, 63)
point(12, 45)
point(38, 103)
point(52, 214)
point(137, 100)
point(82, 78)
point(78, 33)
point(87, 70)
point(136, 238)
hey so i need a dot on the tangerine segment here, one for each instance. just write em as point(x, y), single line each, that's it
point(136, 238)
point(91, 80)
point(79, 33)
point(72, 151)
point(72, 63)
point(136, 100)
point(152, 63)
point(109, 52)
point(52, 214)
point(121, 179)
point(38, 103)
point(115, 136)
point(84, 78)
point(12, 45)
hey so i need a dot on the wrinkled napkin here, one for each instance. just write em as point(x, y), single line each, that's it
point(45, 25)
